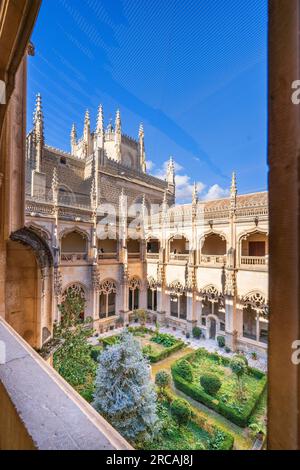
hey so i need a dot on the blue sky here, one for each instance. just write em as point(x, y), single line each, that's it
point(193, 71)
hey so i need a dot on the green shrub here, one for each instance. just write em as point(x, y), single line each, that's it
point(95, 351)
point(162, 379)
point(238, 366)
point(210, 383)
point(109, 341)
point(181, 411)
point(227, 349)
point(184, 370)
point(254, 355)
point(164, 339)
point(197, 332)
point(242, 357)
point(221, 341)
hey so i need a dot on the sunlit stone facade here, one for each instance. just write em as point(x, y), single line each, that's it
point(118, 239)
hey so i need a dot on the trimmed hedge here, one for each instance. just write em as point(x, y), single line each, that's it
point(197, 393)
point(166, 352)
point(109, 341)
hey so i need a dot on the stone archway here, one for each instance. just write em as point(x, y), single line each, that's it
point(28, 286)
point(213, 326)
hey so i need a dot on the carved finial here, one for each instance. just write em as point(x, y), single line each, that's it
point(73, 138)
point(54, 186)
point(100, 120)
point(171, 173)
point(195, 193)
point(87, 126)
point(118, 135)
point(233, 189)
point(142, 149)
point(93, 194)
point(118, 121)
point(38, 121)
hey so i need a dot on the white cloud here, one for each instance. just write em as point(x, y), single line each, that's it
point(216, 192)
point(184, 185)
point(150, 165)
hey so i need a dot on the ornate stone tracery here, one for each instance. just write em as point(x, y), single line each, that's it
point(108, 286)
point(176, 288)
point(75, 290)
point(211, 293)
point(134, 283)
point(39, 246)
point(151, 283)
point(257, 301)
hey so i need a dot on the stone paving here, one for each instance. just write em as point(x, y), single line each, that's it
point(209, 344)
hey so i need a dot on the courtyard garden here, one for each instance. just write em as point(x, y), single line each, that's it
point(193, 400)
point(228, 386)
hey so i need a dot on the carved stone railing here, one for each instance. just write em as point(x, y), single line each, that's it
point(73, 257)
point(213, 259)
point(108, 255)
point(134, 255)
point(254, 260)
point(152, 256)
point(40, 410)
point(179, 256)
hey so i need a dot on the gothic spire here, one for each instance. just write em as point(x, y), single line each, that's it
point(142, 149)
point(118, 135)
point(73, 138)
point(195, 194)
point(87, 125)
point(54, 186)
point(233, 191)
point(100, 120)
point(171, 174)
point(38, 121)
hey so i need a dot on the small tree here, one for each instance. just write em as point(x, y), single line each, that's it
point(181, 411)
point(197, 332)
point(162, 380)
point(184, 369)
point(73, 359)
point(124, 394)
point(239, 368)
point(211, 383)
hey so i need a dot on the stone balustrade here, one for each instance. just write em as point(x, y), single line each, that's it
point(73, 257)
point(40, 410)
point(213, 259)
point(254, 260)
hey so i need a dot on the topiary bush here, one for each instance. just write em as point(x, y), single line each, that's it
point(197, 332)
point(210, 383)
point(184, 370)
point(221, 341)
point(181, 411)
point(162, 380)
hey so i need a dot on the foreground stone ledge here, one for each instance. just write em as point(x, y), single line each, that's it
point(53, 415)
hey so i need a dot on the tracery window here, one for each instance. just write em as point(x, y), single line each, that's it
point(152, 294)
point(107, 299)
point(178, 301)
point(255, 317)
point(134, 293)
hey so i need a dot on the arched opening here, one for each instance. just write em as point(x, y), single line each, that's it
point(213, 249)
point(178, 301)
point(153, 246)
point(28, 286)
point(152, 295)
point(73, 247)
point(107, 299)
point(255, 318)
point(212, 328)
point(107, 249)
point(133, 248)
point(134, 293)
point(178, 248)
point(254, 249)
point(73, 303)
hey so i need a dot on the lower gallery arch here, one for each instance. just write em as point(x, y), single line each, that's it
point(178, 300)
point(107, 298)
point(213, 310)
point(152, 294)
point(134, 293)
point(255, 317)
point(28, 286)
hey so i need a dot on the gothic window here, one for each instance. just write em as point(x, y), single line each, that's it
point(152, 294)
point(107, 299)
point(73, 303)
point(134, 293)
point(255, 317)
point(178, 301)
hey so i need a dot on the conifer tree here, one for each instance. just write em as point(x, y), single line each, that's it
point(124, 393)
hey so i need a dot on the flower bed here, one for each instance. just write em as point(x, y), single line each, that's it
point(156, 346)
point(225, 401)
